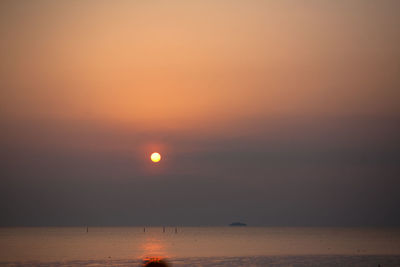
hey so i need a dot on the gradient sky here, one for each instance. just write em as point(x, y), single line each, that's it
point(267, 112)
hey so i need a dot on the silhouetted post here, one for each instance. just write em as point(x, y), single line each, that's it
point(176, 230)
point(163, 230)
point(87, 229)
point(144, 229)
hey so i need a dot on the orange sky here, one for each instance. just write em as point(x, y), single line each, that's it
point(268, 112)
point(177, 63)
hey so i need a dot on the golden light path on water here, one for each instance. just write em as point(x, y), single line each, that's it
point(154, 250)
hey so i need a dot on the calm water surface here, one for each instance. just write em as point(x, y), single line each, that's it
point(196, 245)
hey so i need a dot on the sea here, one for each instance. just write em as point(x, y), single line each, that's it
point(199, 246)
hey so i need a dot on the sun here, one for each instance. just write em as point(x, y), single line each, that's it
point(155, 157)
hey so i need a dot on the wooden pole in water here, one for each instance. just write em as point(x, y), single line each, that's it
point(176, 230)
point(144, 229)
point(163, 230)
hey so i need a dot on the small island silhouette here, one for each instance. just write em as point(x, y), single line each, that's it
point(238, 224)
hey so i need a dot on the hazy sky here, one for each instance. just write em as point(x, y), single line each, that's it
point(266, 112)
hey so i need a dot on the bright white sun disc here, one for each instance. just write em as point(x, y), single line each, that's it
point(155, 157)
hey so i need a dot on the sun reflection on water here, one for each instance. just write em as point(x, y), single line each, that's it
point(154, 253)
